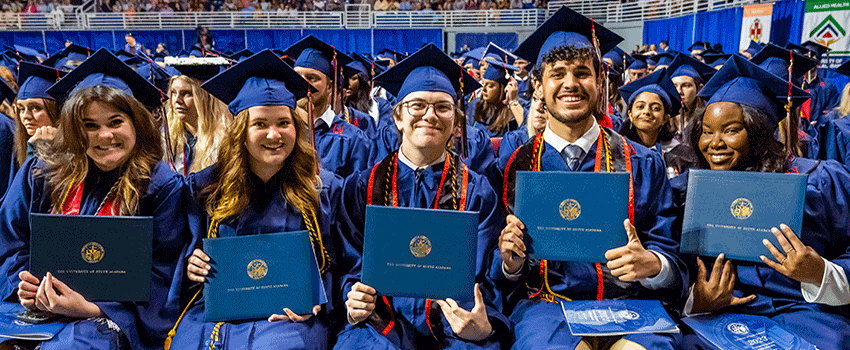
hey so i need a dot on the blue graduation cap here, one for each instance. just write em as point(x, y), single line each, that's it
point(699, 45)
point(239, 56)
point(498, 71)
point(639, 62)
point(199, 72)
point(35, 79)
point(104, 69)
point(159, 57)
point(157, 75)
point(183, 54)
point(391, 54)
point(10, 63)
point(6, 92)
point(476, 54)
point(363, 65)
point(754, 48)
point(26, 54)
point(715, 59)
point(663, 59)
point(742, 82)
point(316, 54)
point(69, 58)
point(129, 59)
point(776, 60)
point(566, 27)
point(817, 49)
point(429, 69)
point(844, 68)
point(658, 83)
point(651, 61)
point(685, 65)
point(196, 53)
point(616, 55)
point(494, 51)
point(260, 80)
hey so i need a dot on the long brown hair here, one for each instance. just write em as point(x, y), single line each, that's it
point(6, 75)
point(212, 118)
point(230, 194)
point(497, 115)
point(21, 136)
point(68, 164)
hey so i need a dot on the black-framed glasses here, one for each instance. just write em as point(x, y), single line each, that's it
point(418, 108)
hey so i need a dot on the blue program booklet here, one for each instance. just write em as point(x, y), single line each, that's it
point(740, 332)
point(572, 216)
point(591, 318)
point(12, 328)
point(420, 253)
point(731, 212)
point(255, 276)
point(104, 258)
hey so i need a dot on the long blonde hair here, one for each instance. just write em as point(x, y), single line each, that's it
point(68, 164)
point(844, 107)
point(212, 118)
point(230, 194)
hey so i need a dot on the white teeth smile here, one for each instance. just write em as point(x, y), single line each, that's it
point(719, 158)
point(571, 98)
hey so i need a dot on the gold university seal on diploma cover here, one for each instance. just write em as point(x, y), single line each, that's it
point(420, 246)
point(741, 208)
point(570, 209)
point(257, 269)
point(92, 252)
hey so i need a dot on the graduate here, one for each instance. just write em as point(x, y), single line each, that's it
point(688, 75)
point(648, 267)
point(489, 111)
point(637, 69)
point(535, 122)
point(653, 102)
point(105, 160)
point(342, 147)
point(7, 140)
point(69, 58)
point(425, 174)
point(266, 182)
point(825, 96)
point(793, 132)
point(356, 102)
point(38, 112)
point(358, 94)
point(836, 134)
point(803, 286)
point(196, 119)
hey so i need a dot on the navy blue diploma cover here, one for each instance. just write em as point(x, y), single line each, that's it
point(104, 258)
point(255, 276)
point(731, 212)
point(591, 318)
point(420, 253)
point(572, 216)
point(740, 332)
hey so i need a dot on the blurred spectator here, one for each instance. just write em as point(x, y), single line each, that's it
point(404, 5)
point(30, 8)
point(57, 17)
point(40, 7)
point(472, 5)
point(132, 46)
point(381, 5)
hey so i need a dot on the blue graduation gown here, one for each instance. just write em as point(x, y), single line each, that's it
point(827, 231)
point(836, 140)
point(510, 142)
point(268, 212)
point(523, 88)
point(143, 325)
point(539, 325)
point(825, 97)
point(364, 121)
point(342, 147)
point(480, 155)
point(385, 112)
point(470, 119)
point(7, 156)
point(410, 312)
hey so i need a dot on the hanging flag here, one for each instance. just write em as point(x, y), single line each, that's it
point(755, 25)
point(827, 23)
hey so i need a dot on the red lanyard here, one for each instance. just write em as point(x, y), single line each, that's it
point(108, 207)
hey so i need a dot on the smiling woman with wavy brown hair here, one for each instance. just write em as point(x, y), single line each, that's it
point(104, 160)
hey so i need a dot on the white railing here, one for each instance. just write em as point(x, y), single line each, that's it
point(644, 10)
point(361, 16)
point(457, 19)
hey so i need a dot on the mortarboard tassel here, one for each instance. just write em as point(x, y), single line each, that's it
point(310, 122)
point(462, 106)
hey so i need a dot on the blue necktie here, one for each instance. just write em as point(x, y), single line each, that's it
point(572, 155)
point(418, 200)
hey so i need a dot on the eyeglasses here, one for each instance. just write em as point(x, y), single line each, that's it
point(417, 108)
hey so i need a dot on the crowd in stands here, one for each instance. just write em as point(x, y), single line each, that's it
point(117, 6)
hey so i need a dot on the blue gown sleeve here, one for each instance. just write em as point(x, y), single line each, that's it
point(15, 229)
